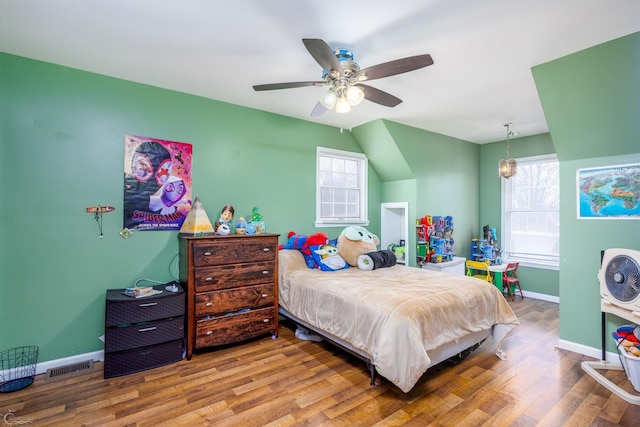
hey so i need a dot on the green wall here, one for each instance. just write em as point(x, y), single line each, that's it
point(446, 172)
point(62, 139)
point(436, 174)
point(591, 100)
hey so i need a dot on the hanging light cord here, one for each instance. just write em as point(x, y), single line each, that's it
point(508, 126)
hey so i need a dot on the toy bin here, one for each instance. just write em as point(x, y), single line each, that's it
point(17, 368)
point(631, 366)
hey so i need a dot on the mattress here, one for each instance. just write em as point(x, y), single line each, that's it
point(396, 315)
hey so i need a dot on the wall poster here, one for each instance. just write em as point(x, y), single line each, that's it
point(157, 183)
point(610, 192)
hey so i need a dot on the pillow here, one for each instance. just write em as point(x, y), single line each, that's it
point(327, 258)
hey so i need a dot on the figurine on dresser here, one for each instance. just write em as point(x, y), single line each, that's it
point(223, 225)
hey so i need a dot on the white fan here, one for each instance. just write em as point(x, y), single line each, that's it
point(619, 277)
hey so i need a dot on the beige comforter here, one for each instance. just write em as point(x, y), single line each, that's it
point(397, 314)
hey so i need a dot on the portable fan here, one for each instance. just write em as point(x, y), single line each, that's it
point(619, 278)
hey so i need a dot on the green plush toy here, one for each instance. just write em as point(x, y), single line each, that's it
point(355, 241)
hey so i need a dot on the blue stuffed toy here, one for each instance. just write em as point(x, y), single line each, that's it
point(304, 243)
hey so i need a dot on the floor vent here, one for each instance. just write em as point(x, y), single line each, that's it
point(69, 369)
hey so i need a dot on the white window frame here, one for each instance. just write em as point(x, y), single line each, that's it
point(361, 186)
point(543, 261)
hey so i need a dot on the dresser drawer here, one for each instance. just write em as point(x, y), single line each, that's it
point(221, 302)
point(144, 333)
point(235, 327)
point(231, 275)
point(142, 358)
point(136, 310)
point(231, 251)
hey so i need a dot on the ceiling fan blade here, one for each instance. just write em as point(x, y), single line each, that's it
point(323, 54)
point(318, 110)
point(274, 86)
point(379, 97)
point(392, 68)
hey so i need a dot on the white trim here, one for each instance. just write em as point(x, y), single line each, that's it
point(505, 225)
point(363, 183)
point(542, 297)
point(596, 353)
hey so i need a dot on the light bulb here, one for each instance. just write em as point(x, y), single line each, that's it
point(355, 95)
point(329, 99)
point(342, 105)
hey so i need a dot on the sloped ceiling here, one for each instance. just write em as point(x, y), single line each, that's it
point(483, 51)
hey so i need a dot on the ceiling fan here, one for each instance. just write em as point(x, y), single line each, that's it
point(345, 78)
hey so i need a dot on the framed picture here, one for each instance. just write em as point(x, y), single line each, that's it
point(609, 192)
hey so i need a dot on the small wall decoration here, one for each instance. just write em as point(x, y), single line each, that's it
point(609, 192)
point(157, 183)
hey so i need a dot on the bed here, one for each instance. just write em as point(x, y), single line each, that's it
point(401, 320)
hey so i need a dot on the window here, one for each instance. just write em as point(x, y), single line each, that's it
point(341, 188)
point(531, 213)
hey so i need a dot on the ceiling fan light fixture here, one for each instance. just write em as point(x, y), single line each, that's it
point(329, 99)
point(507, 167)
point(355, 95)
point(342, 74)
point(342, 105)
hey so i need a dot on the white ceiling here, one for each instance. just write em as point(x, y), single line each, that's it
point(483, 51)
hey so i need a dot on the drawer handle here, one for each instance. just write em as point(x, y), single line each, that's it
point(209, 304)
point(152, 328)
point(264, 295)
point(266, 320)
point(265, 249)
point(208, 279)
point(149, 304)
point(265, 271)
point(208, 253)
point(209, 332)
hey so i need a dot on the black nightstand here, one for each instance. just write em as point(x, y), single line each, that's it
point(142, 333)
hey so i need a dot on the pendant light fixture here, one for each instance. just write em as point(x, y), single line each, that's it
point(507, 167)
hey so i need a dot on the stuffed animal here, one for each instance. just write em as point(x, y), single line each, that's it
point(355, 241)
point(303, 244)
point(327, 258)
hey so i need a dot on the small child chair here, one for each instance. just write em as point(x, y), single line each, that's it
point(510, 279)
point(479, 269)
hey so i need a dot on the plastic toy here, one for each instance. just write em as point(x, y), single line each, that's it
point(225, 218)
point(435, 239)
point(486, 249)
point(241, 226)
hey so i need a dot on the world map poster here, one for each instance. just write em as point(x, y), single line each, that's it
point(611, 192)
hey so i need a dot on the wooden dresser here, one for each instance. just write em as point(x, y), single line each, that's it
point(232, 288)
point(142, 333)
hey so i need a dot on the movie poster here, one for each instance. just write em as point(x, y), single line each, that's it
point(157, 183)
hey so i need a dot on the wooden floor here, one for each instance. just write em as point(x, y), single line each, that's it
point(287, 382)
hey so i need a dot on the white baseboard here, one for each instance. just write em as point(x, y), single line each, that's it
point(96, 356)
point(543, 297)
point(596, 353)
